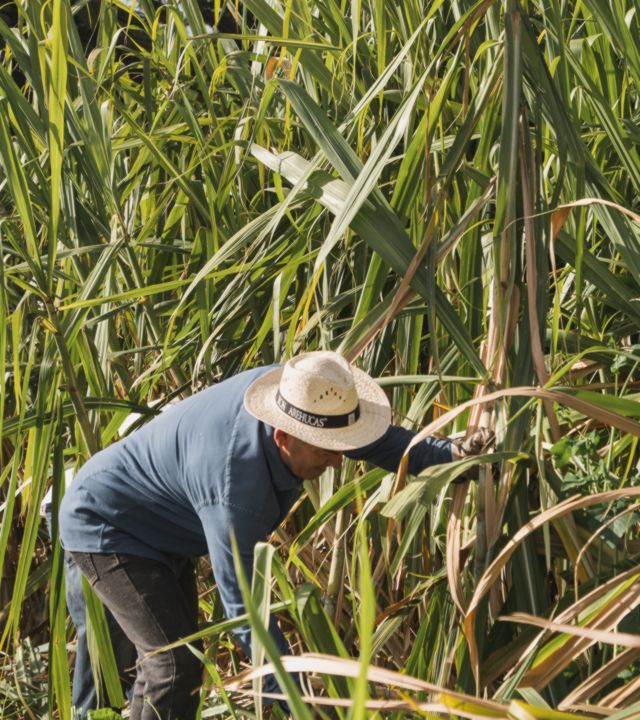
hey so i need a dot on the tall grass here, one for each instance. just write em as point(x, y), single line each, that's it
point(444, 192)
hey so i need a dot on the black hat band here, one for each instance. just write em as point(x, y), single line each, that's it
point(324, 422)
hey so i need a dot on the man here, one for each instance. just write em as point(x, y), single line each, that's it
point(229, 459)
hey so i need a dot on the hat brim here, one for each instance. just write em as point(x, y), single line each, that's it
point(375, 413)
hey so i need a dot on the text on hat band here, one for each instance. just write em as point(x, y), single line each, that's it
point(326, 422)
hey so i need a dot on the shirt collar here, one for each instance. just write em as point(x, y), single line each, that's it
point(281, 476)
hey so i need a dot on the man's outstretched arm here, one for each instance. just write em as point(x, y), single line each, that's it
point(386, 451)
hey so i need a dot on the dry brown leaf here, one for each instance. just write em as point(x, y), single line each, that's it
point(600, 679)
point(608, 617)
point(493, 571)
point(603, 636)
point(622, 696)
point(558, 219)
point(319, 663)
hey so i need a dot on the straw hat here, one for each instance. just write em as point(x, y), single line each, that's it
point(320, 398)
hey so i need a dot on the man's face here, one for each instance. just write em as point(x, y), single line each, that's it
point(305, 461)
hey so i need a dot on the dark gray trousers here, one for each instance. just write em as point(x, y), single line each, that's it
point(155, 605)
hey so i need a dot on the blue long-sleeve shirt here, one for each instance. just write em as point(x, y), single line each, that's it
point(205, 467)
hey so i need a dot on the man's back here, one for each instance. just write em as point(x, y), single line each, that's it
point(142, 495)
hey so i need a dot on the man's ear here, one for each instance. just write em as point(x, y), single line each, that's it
point(281, 438)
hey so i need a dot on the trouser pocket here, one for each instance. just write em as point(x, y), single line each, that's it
point(87, 567)
point(96, 566)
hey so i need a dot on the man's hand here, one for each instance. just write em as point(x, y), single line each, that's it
point(478, 443)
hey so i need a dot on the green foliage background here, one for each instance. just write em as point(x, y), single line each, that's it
point(444, 191)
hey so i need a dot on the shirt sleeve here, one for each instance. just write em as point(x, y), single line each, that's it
point(219, 521)
point(386, 451)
